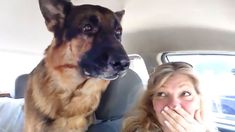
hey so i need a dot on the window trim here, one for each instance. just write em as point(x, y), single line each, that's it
point(162, 57)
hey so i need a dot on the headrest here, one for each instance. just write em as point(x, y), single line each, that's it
point(120, 96)
point(20, 85)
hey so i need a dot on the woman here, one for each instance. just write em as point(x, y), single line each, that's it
point(172, 102)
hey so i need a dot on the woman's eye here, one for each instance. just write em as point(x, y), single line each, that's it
point(161, 94)
point(186, 93)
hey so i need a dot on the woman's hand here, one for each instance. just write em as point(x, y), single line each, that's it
point(178, 120)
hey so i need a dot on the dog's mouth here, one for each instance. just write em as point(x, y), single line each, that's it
point(105, 74)
point(104, 67)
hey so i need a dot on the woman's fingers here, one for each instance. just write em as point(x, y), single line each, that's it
point(179, 120)
point(169, 127)
point(184, 114)
point(175, 120)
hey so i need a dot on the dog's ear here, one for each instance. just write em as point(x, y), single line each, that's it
point(120, 14)
point(54, 13)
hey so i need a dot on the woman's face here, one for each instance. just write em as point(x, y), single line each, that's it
point(178, 90)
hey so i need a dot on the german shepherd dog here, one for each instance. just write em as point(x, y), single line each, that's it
point(65, 88)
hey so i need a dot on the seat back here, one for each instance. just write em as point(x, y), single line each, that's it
point(20, 85)
point(119, 97)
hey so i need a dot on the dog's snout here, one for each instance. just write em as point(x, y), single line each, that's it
point(120, 65)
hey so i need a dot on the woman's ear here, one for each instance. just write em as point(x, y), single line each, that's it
point(198, 115)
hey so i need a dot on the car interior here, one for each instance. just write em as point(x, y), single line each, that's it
point(199, 32)
point(115, 102)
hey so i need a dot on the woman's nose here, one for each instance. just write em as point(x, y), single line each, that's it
point(173, 102)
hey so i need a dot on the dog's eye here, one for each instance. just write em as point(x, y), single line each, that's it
point(118, 33)
point(87, 28)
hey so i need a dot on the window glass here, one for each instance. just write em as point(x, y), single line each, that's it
point(216, 72)
point(138, 65)
point(13, 64)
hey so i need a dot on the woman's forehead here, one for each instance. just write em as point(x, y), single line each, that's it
point(177, 81)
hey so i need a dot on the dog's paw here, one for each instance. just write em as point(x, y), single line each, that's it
point(77, 122)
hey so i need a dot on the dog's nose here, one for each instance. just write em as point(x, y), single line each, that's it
point(120, 65)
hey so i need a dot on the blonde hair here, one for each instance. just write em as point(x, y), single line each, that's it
point(142, 119)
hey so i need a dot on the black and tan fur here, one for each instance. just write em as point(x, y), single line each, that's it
point(64, 90)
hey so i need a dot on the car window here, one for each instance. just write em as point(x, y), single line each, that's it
point(216, 72)
point(138, 65)
point(13, 64)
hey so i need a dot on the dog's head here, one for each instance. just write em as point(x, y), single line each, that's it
point(93, 35)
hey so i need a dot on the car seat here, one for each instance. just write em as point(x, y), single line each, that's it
point(119, 97)
point(20, 85)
